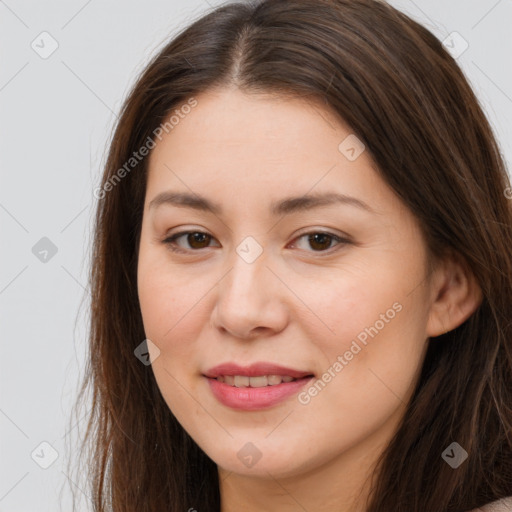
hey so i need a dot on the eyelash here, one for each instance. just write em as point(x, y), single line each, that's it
point(171, 241)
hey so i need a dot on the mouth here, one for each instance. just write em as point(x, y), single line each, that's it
point(260, 381)
point(254, 387)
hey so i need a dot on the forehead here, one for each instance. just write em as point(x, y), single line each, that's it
point(263, 135)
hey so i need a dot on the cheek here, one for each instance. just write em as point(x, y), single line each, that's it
point(371, 337)
point(169, 300)
point(375, 361)
point(342, 307)
point(171, 306)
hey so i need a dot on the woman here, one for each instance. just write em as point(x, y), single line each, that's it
point(303, 226)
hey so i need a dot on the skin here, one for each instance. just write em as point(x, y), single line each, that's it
point(297, 305)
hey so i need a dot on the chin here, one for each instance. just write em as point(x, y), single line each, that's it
point(256, 460)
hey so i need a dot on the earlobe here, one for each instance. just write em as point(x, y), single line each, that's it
point(455, 297)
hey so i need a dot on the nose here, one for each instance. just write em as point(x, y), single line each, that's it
point(250, 301)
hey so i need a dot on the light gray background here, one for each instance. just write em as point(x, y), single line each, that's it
point(56, 115)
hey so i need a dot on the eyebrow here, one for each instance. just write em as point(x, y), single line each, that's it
point(282, 207)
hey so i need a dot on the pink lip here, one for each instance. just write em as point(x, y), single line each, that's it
point(251, 399)
point(254, 370)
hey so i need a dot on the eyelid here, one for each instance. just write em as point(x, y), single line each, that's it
point(325, 231)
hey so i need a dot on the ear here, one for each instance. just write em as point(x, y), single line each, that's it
point(456, 295)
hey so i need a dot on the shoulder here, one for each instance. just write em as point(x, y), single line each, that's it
point(503, 505)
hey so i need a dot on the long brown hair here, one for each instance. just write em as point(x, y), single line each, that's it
point(405, 97)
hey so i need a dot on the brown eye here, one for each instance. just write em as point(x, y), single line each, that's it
point(321, 241)
point(195, 240)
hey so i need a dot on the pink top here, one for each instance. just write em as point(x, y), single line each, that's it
point(504, 505)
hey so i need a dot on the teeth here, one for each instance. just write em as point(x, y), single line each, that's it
point(258, 382)
point(274, 379)
point(242, 381)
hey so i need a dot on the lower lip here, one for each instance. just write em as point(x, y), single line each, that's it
point(252, 399)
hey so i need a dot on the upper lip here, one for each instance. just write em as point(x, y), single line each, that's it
point(254, 370)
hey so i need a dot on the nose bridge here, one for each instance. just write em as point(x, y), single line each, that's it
point(247, 299)
point(243, 283)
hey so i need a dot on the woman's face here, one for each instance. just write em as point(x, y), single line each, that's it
point(306, 266)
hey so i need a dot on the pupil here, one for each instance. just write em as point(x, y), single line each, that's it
point(320, 238)
point(197, 238)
